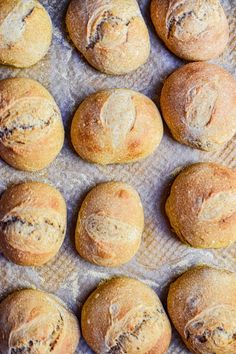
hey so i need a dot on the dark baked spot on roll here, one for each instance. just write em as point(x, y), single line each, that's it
point(121, 341)
point(12, 220)
point(28, 14)
point(31, 227)
point(97, 36)
point(6, 133)
point(49, 343)
point(177, 21)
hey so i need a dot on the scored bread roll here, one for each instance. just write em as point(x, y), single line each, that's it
point(31, 128)
point(202, 307)
point(32, 223)
point(202, 205)
point(116, 126)
point(32, 321)
point(194, 29)
point(112, 35)
point(25, 32)
point(124, 315)
point(198, 103)
point(110, 224)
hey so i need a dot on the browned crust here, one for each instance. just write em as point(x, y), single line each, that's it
point(201, 206)
point(93, 140)
point(206, 45)
point(199, 81)
point(46, 203)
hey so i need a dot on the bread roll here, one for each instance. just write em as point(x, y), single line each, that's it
point(32, 223)
point(32, 321)
point(202, 205)
point(198, 103)
point(110, 224)
point(31, 128)
point(202, 307)
point(112, 34)
point(25, 32)
point(124, 315)
point(116, 126)
point(194, 29)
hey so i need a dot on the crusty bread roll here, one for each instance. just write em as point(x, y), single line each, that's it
point(194, 29)
point(111, 34)
point(116, 126)
point(124, 315)
point(25, 32)
point(32, 321)
point(110, 224)
point(202, 307)
point(198, 103)
point(31, 128)
point(202, 205)
point(32, 223)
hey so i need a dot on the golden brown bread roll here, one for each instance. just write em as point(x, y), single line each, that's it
point(124, 315)
point(194, 29)
point(198, 103)
point(32, 321)
point(116, 126)
point(202, 307)
point(110, 224)
point(112, 35)
point(202, 205)
point(25, 32)
point(31, 128)
point(32, 223)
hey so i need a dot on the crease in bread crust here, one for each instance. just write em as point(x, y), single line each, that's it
point(21, 229)
point(16, 22)
point(200, 104)
point(118, 114)
point(213, 329)
point(106, 29)
point(188, 19)
point(103, 228)
point(44, 345)
point(129, 328)
point(37, 115)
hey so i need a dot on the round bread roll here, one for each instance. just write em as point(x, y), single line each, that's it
point(202, 307)
point(194, 29)
point(112, 34)
point(32, 321)
point(31, 128)
point(25, 32)
point(198, 103)
point(202, 206)
point(32, 223)
point(124, 315)
point(116, 126)
point(110, 224)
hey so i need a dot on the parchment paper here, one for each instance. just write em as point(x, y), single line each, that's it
point(162, 257)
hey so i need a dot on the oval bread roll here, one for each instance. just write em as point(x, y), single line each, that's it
point(32, 223)
point(32, 321)
point(116, 126)
point(202, 205)
point(194, 29)
point(25, 32)
point(124, 315)
point(112, 34)
point(31, 128)
point(110, 224)
point(198, 103)
point(202, 307)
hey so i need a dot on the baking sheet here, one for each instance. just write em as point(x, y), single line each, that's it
point(162, 256)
